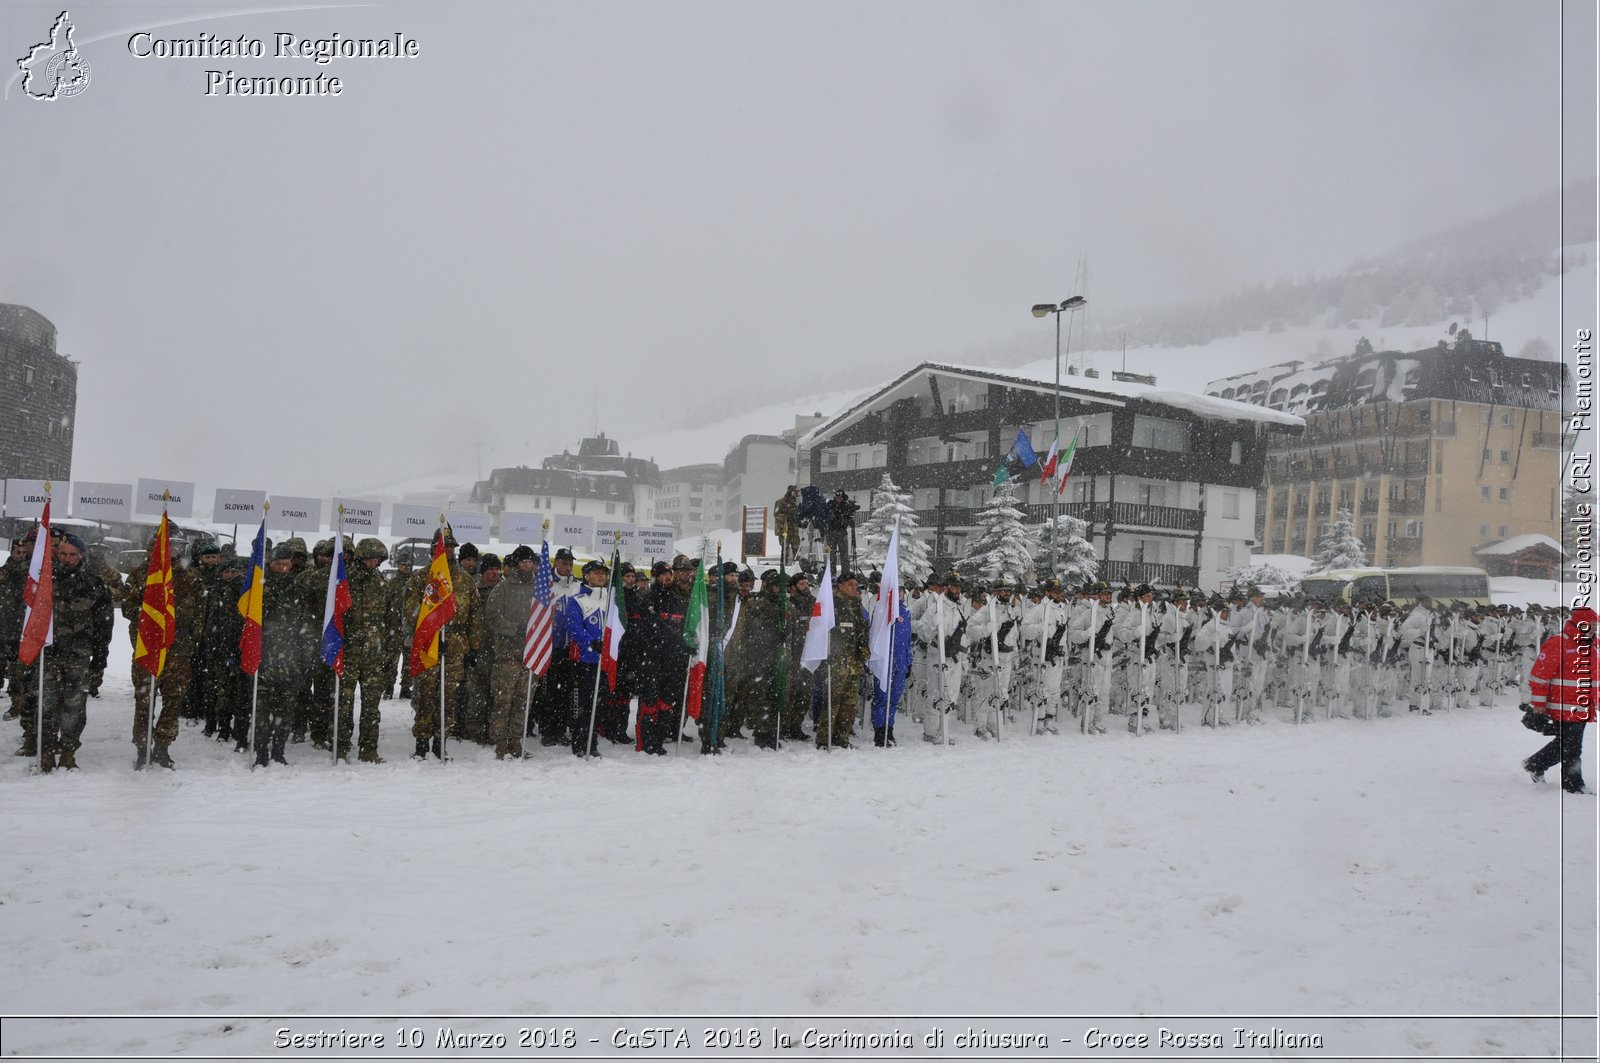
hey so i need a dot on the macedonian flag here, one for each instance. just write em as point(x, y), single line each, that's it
point(158, 619)
point(438, 606)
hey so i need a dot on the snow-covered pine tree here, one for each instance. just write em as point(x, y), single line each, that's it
point(1004, 546)
point(890, 503)
point(1076, 561)
point(1261, 574)
point(1340, 547)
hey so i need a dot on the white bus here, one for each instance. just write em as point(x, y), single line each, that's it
point(1443, 583)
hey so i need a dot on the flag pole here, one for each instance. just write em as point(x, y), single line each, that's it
point(333, 568)
point(39, 708)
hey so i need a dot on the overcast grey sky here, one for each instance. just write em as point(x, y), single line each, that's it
point(656, 200)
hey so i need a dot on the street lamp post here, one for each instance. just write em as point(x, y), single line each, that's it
point(1040, 310)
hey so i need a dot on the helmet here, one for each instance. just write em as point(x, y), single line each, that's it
point(367, 549)
point(324, 548)
point(295, 545)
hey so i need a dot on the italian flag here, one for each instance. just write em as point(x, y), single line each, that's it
point(1048, 469)
point(697, 633)
point(611, 641)
point(1066, 465)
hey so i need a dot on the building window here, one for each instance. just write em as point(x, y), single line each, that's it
point(1160, 433)
point(1502, 531)
point(1413, 529)
point(1505, 494)
point(1505, 418)
point(27, 374)
point(1488, 455)
point(1505, 457)
point(830, 459)
point(852, 461)
point(1225, 557)
point(1368, 529)
point(1394, 529)
point(1485, 492)
point(1483, 531)
point(1236, 453)
point(611, 507)
point(1229, 504)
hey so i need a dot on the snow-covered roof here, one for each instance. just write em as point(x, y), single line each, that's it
point(1102, 390)
point(1518, 543)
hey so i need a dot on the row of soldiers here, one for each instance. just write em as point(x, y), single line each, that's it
point(992, 655)
point(977, 659)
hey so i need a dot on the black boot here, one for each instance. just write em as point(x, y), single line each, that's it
point(139, 758)
point(261, 757)
point(277, 751)
point(421, 751)
point(879, 737)
point(437, 748)
point(891, 734)
point(162, 758)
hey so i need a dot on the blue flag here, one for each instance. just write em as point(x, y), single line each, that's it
point(1023, 449)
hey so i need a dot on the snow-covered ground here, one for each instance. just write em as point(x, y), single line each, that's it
point(1402, 866)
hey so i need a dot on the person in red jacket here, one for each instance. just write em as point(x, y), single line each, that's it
point(1562, 686)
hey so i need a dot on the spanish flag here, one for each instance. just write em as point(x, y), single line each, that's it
point(438, 606)
point(158, 621)
point(250, 605)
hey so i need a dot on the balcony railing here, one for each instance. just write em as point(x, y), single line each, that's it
point(1124, 514)
point(1552, 441)
point(1135, 572)
point(1402, 506)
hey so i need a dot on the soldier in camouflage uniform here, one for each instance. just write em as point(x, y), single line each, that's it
point(316, 718)
point(398, 581)
point(22, 680)
point(82, 621)
point(479, 699)
point(463, 634)
point(98, 561)
point(758, 642)
point(173, 682)
point(202, 697)
point(797, 701)
point(847, 662)
point(289, 635)
point(505, 622)
point(371, 629)
point(220, 648)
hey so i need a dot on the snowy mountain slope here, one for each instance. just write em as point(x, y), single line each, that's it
point(1329, 869)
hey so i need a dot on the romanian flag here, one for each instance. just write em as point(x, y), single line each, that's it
point(158, 619)
point(38, 595)
point(335, 605)
point(697, 633)
point(611, 640)
point(438, 607)
point(250, 605)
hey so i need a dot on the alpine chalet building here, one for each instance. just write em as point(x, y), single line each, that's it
point(1439, 453)
point(1166, 480)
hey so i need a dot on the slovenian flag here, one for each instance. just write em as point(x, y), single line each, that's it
point(611, 641)
point(334, 607)
point(38, 594)
point(250, 605)
point(697, 633)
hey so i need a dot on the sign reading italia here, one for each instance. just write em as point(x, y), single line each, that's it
point(413, 522)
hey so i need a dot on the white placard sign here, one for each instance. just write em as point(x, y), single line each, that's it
point(522, 528)
point(289, 513)
point(25, 499)
point(96, 501)
point(147, 501)
point(654, 544)
point(413, 522)
point(572, 532)
point(468, 526)
point(237, 507)
point(359, 515)
point(610, 535)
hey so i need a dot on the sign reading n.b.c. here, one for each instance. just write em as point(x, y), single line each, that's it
point(573, 532)
point(147, 500)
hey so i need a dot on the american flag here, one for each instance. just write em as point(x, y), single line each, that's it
point(536, 642)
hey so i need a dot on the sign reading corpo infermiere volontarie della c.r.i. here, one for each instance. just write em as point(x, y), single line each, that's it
point(321, 51)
